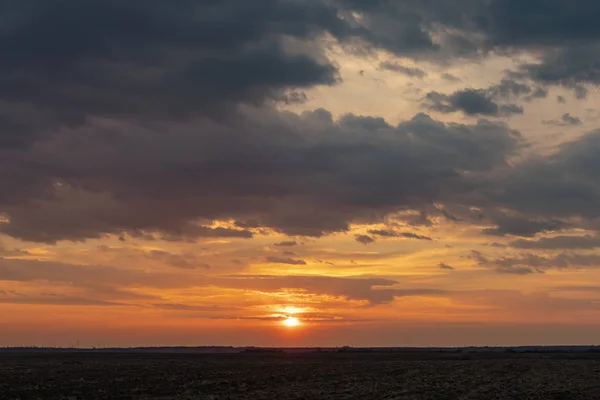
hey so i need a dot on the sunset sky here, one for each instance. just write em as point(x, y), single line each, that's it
point(388, 172)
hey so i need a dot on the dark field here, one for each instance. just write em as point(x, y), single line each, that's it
point(299, 376)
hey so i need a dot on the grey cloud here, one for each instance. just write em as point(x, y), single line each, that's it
point(66, 62)
point(559, 186)
point(449, 77)
point(298, 174)
point(566, 120)
point(383, 232)
point(285, 260)
point(471, 102)
point(531, 263)
point(508, 88)
point(412, 72)
point(367, 123)
point(558, 242)
point(520, 226)
point(570, 120)
point(422, 219)
point(449, 216)
point(247, 224)
point(415, 236)
point(572, 67)
point(538, 93)
point(446, 267)
point(565, 35)
point(364, 239)
point(179, 97)
point(287, 243)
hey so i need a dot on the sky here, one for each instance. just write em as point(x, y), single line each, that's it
point(387, 172)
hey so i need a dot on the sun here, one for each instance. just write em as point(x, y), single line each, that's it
point(291, 322)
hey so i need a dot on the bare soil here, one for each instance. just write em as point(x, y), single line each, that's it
point(299, 376)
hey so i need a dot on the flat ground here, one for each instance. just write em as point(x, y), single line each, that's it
point(299, 376)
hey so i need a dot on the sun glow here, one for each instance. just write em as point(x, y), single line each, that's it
point(291, 322)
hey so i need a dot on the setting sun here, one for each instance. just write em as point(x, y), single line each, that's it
point(291, 322)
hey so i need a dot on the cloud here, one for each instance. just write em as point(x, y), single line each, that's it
point(531, 263)
point(471, 102)
point(393, 66)
point(176, 260)
point(181, 99)
point(414, 236)
point(563, 185)
point(192, 56)
point(191, 307)
point(382, 232)
point(520, 226)
point(304, 175)
point(286, 243)
point(446, 267)
point(107, 283)
point(285, 260)
point(373, 290)
point(59, 301)
point(450, 78)
point(566, 120)
point(558, 242)
point(386, 233)
point(364, 239)
point(572, 67)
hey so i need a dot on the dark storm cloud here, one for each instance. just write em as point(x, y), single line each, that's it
point(66, 61)
point(152, 117)
point(298, 174)
point(540, 22)
point(565, 35)
point(412, 72)
point(471, 102)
